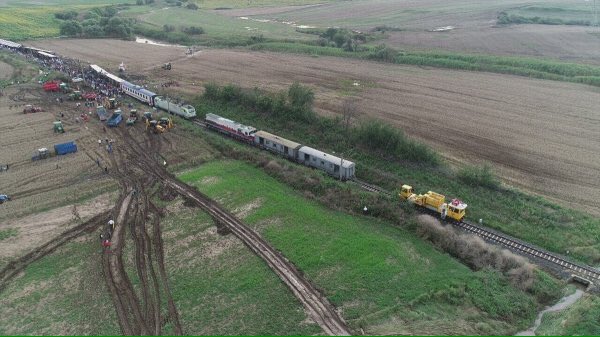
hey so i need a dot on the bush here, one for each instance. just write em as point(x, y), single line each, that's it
point(66, 15)
point(391, 143)
point(71, 28)
point(168, 28)
point(212, 90)
point(193, 30)
point(191, 6)
point(476, 253)
point(301, 97)
point(479, 176)
point(383, 53)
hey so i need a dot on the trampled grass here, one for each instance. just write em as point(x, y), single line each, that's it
point(373, 271)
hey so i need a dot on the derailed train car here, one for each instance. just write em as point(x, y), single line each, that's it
point(335, 166)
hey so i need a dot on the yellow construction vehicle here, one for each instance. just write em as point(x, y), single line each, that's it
point(166, 123)
point(435, 202)
point(154, 126)
point(110, 103)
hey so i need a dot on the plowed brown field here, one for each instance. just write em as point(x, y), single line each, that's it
point(540, 135)
point(567, 43)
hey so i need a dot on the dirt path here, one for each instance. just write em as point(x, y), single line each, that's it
point(315, 304)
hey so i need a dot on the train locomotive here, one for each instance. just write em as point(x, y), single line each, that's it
point(146, 96)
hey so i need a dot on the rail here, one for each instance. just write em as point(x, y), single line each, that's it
point(493, 236)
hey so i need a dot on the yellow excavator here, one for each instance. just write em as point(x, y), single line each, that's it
point(154, 125)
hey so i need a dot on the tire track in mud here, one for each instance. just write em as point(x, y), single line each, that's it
point(137, 314)
point(14, 267)
point(315, 304)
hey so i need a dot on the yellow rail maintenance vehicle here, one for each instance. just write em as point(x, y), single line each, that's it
point(435, 202)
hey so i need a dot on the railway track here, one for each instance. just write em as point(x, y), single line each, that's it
point(371, 188)
point(588, 273)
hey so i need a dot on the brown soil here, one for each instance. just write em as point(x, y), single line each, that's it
point(540, 135)
point(52, 182)
point(566, 43)
point(36, 229)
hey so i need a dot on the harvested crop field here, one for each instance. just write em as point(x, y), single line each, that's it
point(540, 135)
point(566, 43)
point(51, 182)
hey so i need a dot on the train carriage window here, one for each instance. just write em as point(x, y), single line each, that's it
point(306, 157)
point(286, 150)
point(336, 168)
point(322, 163)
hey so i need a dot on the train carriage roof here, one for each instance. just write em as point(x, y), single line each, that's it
point(277, 139)
point(9, 44)
point(138, 88)
point(325, 156)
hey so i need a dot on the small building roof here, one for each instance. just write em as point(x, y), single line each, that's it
point(9, 44)
point(277, 139)
point(327, 157)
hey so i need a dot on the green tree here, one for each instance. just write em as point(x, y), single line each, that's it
point(301, 97)
point(66, 15)
point(71, 28)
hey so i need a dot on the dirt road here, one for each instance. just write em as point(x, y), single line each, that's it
point(145, 155)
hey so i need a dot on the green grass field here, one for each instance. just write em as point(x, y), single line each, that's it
point(63, 293)
point(580, 319)
point(18, 23)
point(558, 12)
point(216, 26)
point(219, 286)
point(22, 3)
point(382, 277)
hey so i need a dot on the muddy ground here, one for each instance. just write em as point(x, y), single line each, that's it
point(40, 185)
point(540, 135)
